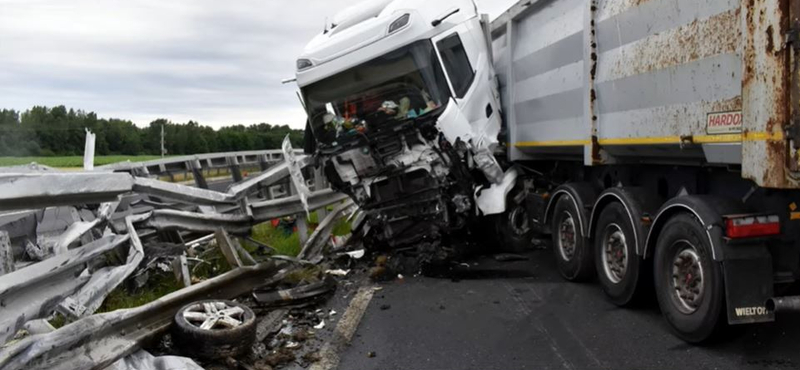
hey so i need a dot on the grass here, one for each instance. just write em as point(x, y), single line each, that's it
point(289, 244)
point(73, 161)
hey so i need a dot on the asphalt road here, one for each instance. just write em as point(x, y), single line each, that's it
point(521, 315)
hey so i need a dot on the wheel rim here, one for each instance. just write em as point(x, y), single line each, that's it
point(567, 239)
point(518, 220)
point(615, 253)
point(214, 316)
point(688, 278)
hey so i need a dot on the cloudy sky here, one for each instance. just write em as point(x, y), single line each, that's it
point(216, 62)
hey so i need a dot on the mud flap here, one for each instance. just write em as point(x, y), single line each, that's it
point(748, 283)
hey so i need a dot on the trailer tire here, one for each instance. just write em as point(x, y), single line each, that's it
point(694, 309)
point(513, 228)
point(574, 256)
point(618, 266)
point(215, 343)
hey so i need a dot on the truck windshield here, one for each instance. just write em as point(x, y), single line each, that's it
point(405, 84)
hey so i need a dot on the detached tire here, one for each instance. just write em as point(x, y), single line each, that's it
point(214, 329)
point(689, 283)
point(618, 266)
point(574, 257)
point(513, 228)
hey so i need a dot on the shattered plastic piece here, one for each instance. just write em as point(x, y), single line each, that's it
point(320, 326)
point(341, 273)
point(359, 254)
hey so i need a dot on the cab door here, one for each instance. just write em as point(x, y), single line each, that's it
point(466, 61)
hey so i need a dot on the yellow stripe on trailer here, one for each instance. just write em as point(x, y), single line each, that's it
point(662, 140)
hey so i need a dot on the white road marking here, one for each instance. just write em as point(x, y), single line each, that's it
point(329, 355)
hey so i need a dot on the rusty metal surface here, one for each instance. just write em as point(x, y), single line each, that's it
point(653, 71)
point(794, 64)
point(765, 92)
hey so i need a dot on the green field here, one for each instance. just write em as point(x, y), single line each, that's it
point(73, 161)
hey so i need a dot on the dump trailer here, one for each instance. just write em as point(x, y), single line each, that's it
point(655, 140)
point(662, 137)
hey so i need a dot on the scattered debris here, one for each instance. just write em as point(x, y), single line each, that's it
point(340, 273)
point(302, 295)
point(320, 326)
point(371, 354)
point(356, 255)
point(385, 307)
point(509, 257)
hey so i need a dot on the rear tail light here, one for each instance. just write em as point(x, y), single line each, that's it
point(752, 226)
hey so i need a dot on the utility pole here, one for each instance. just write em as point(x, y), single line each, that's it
point(163, 149)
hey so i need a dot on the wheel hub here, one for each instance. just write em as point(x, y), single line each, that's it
point(687, 278)
point(214, 316)
point(567, 238)
point(518, 219)
point(615, 253)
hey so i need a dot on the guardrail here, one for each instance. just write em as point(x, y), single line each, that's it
point(135, 207)
point(201, 166)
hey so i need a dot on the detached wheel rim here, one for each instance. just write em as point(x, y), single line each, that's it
point(567, 238)
point(518, 220)
point(615, 253)
point(688, 278)
point(214, 316)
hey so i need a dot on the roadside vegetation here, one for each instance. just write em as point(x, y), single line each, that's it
point(74, 161)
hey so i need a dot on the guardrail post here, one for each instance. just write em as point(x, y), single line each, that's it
point(236, 171)
point(263, 163)
point(197, 173)
point(319, 184)
point(302, 219)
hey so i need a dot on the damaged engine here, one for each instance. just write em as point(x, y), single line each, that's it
point(415, 187)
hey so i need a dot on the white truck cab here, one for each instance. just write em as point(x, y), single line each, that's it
point(405, 114)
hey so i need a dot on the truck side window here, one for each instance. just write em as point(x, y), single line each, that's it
point(457, 64)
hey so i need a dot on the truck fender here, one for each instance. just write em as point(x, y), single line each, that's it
point(638, 204)
point(746, 265)
point(582, 195)
point(492, 200)
point(707, 209)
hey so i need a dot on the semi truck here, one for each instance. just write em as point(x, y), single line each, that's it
point(655, 140)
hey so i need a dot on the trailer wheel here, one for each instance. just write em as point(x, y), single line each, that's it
point(618, 266)
point(513, 228)
point(574, 257)
point(214, 329)
point(689, 283)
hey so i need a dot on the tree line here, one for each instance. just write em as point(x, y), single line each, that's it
point(58, 131)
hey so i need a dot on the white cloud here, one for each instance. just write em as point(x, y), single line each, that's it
point(210, 61)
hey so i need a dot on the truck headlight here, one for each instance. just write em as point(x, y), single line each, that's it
point(399, 23)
